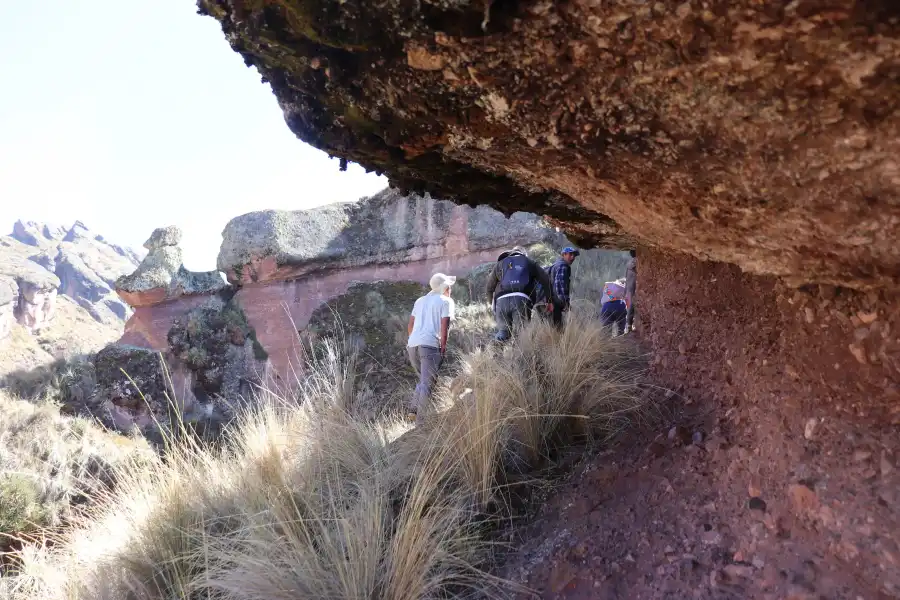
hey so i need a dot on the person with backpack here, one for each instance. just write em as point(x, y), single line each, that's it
point(561, 277)
point(429, 326)
point(612, 305)
point(511, 286)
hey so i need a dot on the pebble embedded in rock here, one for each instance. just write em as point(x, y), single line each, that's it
point(809, 430)
point(757, 504)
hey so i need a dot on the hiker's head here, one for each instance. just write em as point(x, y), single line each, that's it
point(441, 283)
point(519, 250)
point(569, 253)
point(633, 253)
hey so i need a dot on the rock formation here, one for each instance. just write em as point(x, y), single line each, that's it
point(282, 265)
point(747, 149)
point(290, 273)
point(39, 261)
point(56, 295)
point(161, 275)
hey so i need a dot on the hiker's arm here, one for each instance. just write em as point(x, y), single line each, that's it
point(410, 325)
point(445, 330)
point(567, 278)
point(491, 286)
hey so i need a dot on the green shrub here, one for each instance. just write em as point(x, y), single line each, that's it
point(21, 511)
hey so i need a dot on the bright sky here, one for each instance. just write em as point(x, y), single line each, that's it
point(134, 114)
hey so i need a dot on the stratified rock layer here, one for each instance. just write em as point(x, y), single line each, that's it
point(760, 134)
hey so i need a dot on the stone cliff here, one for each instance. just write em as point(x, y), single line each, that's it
point(747, 149)
point(39, 262)
point(56, 294)
point(285, 267)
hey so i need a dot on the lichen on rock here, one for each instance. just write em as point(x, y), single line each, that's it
point(131, 387)
point(388, 228)
point(370, 322)
point(219, 348)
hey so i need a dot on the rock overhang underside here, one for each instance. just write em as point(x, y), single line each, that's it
point(760, 134)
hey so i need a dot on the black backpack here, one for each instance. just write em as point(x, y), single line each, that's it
point(515, 275)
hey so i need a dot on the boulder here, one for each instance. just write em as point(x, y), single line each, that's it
point(131, 387)
point(369, 322)
point(163, 237)
point(162, 277)
point(671, 125)
point(388, 228)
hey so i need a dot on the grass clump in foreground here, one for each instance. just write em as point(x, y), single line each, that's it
point(307, 501)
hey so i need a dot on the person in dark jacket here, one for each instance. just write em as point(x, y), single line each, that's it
point(510, 285)
point(561, 276)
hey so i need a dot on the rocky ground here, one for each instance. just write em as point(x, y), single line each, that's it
point(675, 513)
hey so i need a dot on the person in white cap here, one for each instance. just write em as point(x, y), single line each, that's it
point(429, 325)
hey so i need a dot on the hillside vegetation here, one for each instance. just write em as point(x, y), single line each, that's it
point(305, 500)
point(308, 495)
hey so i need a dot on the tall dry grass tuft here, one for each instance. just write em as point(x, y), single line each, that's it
point(304, 499)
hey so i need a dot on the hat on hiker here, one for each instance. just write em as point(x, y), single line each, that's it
point(440, 282)
point(571, 250)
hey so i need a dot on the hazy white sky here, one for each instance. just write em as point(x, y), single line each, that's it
point(134, 114)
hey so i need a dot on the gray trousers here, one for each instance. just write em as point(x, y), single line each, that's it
point(427, 362)
point(510, 312)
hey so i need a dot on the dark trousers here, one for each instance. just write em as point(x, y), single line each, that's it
point(614, 312)
point(510, 312)
point(557, 316)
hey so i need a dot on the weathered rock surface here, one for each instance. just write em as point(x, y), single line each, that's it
point(44, 261)
point(285, 265)
point(386, 228)
point(56, 296)
point(131, 387)
point(760, 134)
point(711, 135)
point(161, 276)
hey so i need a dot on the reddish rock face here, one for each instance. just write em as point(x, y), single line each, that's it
point(807, 386)
point(278, 309)
point(149, 325)
point(289, 272)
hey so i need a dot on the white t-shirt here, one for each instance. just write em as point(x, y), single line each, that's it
point(428, 312)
